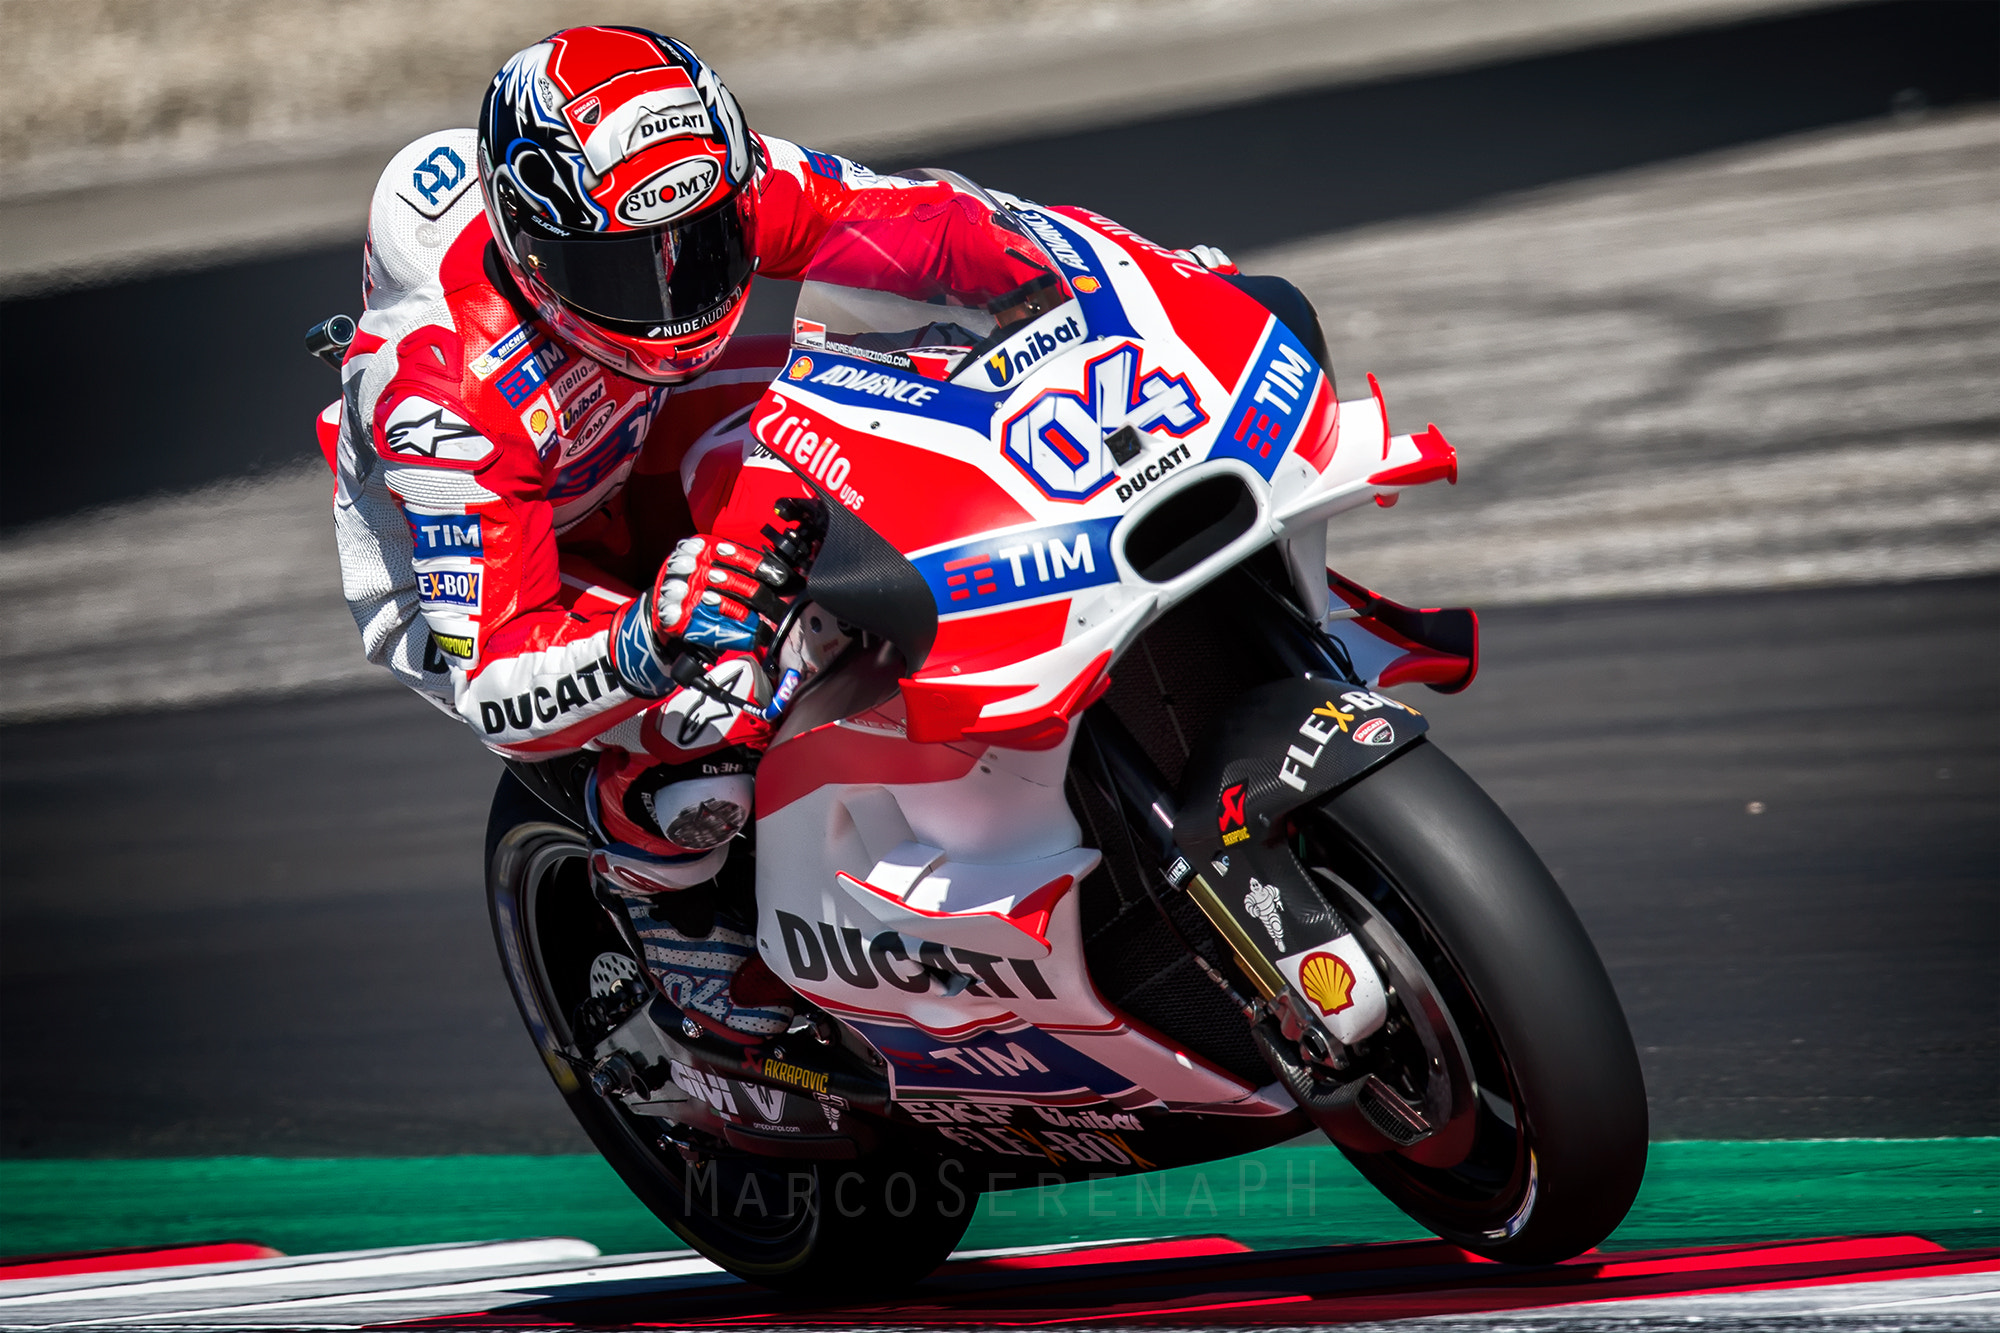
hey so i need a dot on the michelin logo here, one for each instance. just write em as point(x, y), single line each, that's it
point(500, 353)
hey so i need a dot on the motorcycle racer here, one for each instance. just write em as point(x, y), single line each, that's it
point(524, 461)
point(549, 304)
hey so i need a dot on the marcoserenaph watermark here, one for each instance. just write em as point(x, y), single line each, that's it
point(948, 1188)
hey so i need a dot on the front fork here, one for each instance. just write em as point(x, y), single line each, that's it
point(1313, 977)
point(1319, 993)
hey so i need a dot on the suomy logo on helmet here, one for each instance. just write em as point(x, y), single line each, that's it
point(667, 194)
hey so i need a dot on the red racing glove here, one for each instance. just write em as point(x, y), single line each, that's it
point(711, 594)
point(718, 595)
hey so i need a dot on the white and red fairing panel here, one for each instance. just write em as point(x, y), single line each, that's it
point(917, 863)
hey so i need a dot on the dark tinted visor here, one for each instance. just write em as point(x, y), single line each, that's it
point(639, 282)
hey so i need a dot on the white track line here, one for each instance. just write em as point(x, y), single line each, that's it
point(456, 1297)
point(335, 1267)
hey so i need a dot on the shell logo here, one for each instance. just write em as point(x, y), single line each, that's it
point(1086, 284)
point(801, 368)
point(538, 420)
point(1328, 982)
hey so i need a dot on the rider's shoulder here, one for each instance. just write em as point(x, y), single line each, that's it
point(812, 169)
point(426, 201)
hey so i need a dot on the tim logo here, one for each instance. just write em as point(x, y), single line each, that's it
point(438, 176)
point(1057, 440)
point(435, 535)
point(1273, 402)
point(1024, 1061)
point(1016, 566)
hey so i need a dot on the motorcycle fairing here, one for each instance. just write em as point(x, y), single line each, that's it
point(966, 849)
point(1388, 643)
point(1034, 597)
point(891, 486)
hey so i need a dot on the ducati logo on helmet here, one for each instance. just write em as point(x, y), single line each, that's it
point(646, 121)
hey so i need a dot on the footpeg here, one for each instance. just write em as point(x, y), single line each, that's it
point(615, 1076)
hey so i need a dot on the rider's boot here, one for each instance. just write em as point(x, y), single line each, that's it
point(661, 837)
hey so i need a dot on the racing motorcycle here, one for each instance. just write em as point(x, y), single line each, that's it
point(1090, 840)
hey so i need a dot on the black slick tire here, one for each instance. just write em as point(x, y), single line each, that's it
point(863, 1227)
point(1532, 998)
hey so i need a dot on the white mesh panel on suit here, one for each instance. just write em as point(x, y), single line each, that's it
point(426, 196)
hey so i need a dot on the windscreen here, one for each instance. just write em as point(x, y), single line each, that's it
point(924, 276)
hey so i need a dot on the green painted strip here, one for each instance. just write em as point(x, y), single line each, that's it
point(1695, 1193)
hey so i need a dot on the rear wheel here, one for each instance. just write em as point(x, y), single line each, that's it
point(1503, 1024)
point(862, 1226)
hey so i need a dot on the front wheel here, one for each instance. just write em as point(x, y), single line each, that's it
point(864, 1226)
point(1498, 987)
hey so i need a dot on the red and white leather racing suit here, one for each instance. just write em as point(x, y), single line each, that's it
point(501, 497)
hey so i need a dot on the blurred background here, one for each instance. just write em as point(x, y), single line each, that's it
point(1705, 292)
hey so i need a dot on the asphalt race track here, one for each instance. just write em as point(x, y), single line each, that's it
point(261, 929)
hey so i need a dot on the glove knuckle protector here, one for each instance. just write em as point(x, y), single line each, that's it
point(718, 595)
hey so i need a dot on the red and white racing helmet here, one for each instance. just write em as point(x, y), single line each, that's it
point(619, 177)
